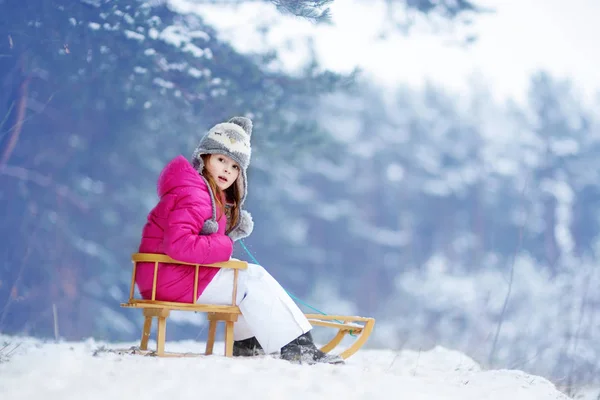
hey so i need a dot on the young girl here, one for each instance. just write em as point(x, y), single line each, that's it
point(197, 219)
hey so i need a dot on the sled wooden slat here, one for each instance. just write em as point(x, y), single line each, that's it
point(182, 306)
point(154, 280)
point(163, 258)
point(360, 327)
point(342, 327)
point(197, 267)
point(132, 286)
point(344, 318)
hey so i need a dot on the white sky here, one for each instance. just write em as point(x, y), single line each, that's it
point(521, 37)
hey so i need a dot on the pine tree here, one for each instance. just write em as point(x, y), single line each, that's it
point(98, 96)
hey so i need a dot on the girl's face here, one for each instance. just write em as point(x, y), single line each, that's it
point(223, 170)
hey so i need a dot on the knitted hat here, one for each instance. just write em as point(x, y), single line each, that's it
point(231, 138)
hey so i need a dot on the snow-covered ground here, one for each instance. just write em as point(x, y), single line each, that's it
point(75, 370)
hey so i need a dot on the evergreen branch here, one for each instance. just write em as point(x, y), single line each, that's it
point(311, 10)
point(314, 10)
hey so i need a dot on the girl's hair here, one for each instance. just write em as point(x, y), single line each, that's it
point(232, 197)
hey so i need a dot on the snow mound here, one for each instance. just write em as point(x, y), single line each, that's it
point(77, 370)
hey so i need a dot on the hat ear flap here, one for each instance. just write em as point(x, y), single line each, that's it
point(197, 161)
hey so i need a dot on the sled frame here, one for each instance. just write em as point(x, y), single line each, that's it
point(161, 309)
point(361, 327)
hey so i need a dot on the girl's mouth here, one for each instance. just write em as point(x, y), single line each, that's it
point(221, 179)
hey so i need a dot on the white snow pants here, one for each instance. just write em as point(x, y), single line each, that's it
point(268, 312)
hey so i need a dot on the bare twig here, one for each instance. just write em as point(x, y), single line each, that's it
point(510, 282)
point(15, 284)
point(4, 347)
point(524, 361)
point(393, 360)
point(570, 377)
point(12, 104)
point(5, 353)
point(13, 349)
point(19, 118)
point(55, 316)
point(417, 364)
point(32, 104)
point(44, 181)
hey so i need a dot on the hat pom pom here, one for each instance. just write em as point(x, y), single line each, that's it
point(244, 122)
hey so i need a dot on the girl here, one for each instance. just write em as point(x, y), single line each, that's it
point(197, 219)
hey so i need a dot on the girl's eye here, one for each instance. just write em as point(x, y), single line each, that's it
point(236, 166)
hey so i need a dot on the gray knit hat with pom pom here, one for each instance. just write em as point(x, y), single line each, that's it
point(231, 138)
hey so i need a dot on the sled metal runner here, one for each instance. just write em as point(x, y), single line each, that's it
point(359, 327)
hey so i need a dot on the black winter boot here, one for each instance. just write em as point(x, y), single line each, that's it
point(303, 350)
point(247, 348)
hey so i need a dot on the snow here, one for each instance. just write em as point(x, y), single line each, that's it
point(178, 37)
point(70, 370)
point(134, 35)
point(395, 172)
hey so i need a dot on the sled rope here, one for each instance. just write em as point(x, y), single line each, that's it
point(255, 261)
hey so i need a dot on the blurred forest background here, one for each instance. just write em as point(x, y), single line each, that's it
point(462, 223)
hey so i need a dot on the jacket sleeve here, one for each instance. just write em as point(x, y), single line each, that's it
point(182, 240)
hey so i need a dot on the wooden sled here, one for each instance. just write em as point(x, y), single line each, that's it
point(360, 327)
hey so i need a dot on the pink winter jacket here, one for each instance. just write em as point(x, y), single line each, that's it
point(173, 227)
